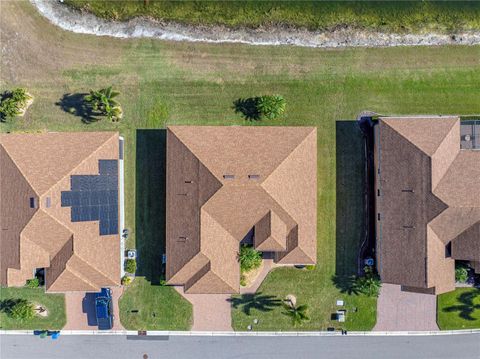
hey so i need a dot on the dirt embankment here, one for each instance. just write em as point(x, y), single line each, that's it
point(85, 23)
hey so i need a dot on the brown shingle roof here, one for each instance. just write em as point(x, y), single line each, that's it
point(224, 181)
point(39, 166)
point(429, 197)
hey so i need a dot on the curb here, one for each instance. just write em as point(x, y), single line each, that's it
point(246, 334)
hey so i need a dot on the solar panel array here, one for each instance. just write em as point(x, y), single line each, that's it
point(95, 197)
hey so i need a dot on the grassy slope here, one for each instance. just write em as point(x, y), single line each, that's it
point(459, 309)
point(54, 303)
point(384, 16)
point(182, 83)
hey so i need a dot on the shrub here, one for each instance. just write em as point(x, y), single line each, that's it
point(310, 267)
point(368, 284)
point(249, 258)
point(131, 266)
point(271, 107)
point(22, 309)
point(126, 280)
point(102, 101)
point(33, 283)
point(13, 102)
point(243, 280)
point(461, 273)
point(163, 282)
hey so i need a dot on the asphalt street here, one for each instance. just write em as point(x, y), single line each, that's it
point(178, 347)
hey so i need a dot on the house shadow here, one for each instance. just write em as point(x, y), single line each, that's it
point(150, 206)
point(350, 202)
point(75, 104)
point(88, 307)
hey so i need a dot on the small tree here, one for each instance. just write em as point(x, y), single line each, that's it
point(271, 106)
point(14, 103)
point(131, 266)
point(22, 310)
point(103, 102)
point(298, 314)
point(249, 258)
point(368, 284)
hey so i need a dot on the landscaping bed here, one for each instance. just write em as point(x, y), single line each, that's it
point(54, 305)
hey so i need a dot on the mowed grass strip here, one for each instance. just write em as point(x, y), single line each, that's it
point(459, 309)
point(53, 303)
point(165, 83)
point(400, 16)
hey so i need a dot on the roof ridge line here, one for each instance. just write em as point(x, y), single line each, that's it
point(81, 162)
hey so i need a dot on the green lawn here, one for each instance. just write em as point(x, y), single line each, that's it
point(165, 83)
point(54, 303)
point(459, 309)
point(159, 308)
point(399, 16)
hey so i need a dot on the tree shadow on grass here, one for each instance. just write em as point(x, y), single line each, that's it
point(7, 305)
point(75, 105)
point(346, 284)
point(467, 307)
point(258, 301)
point(248, 108)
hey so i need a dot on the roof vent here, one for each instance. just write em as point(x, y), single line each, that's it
point(182, 239)
point(229, 177)
point(48, 202)
point(188, 181)
point(254, 177)
point(408, 190)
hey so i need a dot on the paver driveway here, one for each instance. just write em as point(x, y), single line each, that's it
point(211, 312)
point(405, 311)
point(80, 307)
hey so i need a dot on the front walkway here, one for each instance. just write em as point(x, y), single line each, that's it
point(405, 311)
point(211, 312)
point(80, 310)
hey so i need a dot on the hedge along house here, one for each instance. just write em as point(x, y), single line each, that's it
point(231, 185)
point(428, 200)
point(60, 209)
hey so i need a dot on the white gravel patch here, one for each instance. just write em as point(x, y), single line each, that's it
point(85, 23)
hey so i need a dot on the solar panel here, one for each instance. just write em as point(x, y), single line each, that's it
point(95, 197)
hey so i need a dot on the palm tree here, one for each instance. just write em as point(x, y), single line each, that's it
point(103, 102)
point(298, 314)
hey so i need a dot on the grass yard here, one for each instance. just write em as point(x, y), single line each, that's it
point(165, 83)
point(54, 303)
point(158, 306)
point(398, 16)
point(459, 309)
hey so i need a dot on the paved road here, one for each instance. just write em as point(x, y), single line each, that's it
point(116, 347)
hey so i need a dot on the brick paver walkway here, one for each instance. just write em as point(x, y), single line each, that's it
point(405, 311)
